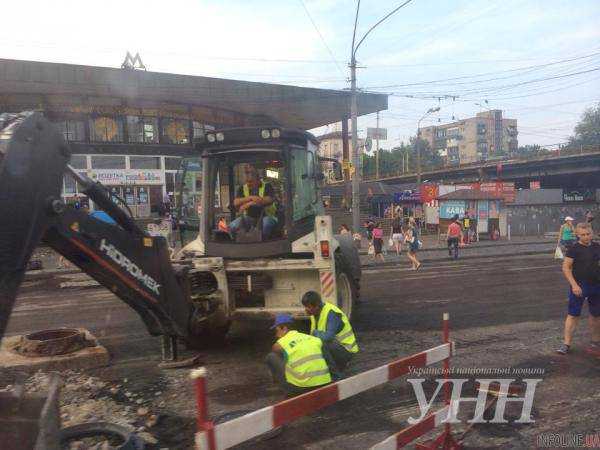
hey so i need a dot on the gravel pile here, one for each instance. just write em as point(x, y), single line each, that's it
point(86, 398)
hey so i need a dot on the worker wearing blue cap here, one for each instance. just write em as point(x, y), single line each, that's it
point(296, 360)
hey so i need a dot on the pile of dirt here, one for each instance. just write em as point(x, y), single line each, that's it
point(86, 398)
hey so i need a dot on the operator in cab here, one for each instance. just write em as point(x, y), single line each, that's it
point(331, 325)
point(296, 361)
point(253, 199)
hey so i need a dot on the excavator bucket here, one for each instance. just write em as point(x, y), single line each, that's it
point(33, 158)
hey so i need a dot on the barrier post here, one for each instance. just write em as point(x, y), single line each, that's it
point(205, 437)
point(446, 332)
point(445, 440)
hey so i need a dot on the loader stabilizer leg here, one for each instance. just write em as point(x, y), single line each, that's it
point(33, 157)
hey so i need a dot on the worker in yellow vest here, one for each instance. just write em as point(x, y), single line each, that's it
point(253, 199)
point(296, 361)
point(331, 325)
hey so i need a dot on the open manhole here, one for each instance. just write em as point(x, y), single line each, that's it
point(52, 342)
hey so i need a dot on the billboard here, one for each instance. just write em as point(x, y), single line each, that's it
point(503, 189)
point(449, 208)
point(377, 133)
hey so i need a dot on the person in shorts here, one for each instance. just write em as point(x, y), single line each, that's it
point(411, 237)
point(378, 242)
point(397, 235)
point(582, 271)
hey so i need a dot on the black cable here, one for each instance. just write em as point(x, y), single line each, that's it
point(321, 36)
point(484, 74)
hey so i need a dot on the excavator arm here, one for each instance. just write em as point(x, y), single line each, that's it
point(136, 267)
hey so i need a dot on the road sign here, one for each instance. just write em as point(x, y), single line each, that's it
point(346, 165)
point(368, 144)
point(377, 133)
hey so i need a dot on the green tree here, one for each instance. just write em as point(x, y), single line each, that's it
point(587, 131)
point(401, 159)
point(430, 159)
point(531, 151)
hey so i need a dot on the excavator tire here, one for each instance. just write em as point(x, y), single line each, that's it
point(347, 286)
point(209, 333)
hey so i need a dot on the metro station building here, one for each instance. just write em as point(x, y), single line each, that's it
point(129, 128)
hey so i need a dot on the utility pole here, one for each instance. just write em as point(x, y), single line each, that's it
point(354, 113)
point(355, 150)
point(418, 142)
point(377, 149)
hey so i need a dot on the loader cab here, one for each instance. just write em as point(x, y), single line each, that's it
point(260, 191)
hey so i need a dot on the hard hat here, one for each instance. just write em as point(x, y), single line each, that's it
point(282, 319)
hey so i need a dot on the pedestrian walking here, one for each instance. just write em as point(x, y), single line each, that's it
point(566, 234)
point(397, 235)
point(466, 229)
point(378, 242)
point(453, 237)
point(369, 225)
point(297, 361)
point(411, 237)
point(582, 270)
point(589, 218)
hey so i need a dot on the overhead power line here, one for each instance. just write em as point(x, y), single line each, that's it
point(322, 38)
point(537, 66)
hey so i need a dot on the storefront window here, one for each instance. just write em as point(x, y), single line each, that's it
point(175, 131)
point(142, 129)
point(170, 182)
point(172, 163)
point(72, 130)
point(144, 162)
point(70, 186)
point(108, 162)
point(106, 129)
point(78, 161)
point(198, 131)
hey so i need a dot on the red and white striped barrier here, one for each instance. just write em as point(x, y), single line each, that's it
point(409, 434)
point(241, 429)
point(445, 440)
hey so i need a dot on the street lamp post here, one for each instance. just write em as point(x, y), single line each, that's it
point(356, 156)
point(418, 142)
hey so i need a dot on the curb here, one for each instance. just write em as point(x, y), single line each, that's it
point(44, 274)
point(476, 246)
point(428, 260)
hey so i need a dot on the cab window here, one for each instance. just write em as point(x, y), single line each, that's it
point(304, 193)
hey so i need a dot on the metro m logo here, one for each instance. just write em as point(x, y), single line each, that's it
point(480, 400)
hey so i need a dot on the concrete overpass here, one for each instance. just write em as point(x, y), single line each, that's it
point(580, 170)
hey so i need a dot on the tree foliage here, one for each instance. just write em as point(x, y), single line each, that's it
point(587, 131)
point(402, 159)
point(531, 151)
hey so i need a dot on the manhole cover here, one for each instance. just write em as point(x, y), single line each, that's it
point(52, 342)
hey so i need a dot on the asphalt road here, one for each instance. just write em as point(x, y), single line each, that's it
point(506, 312)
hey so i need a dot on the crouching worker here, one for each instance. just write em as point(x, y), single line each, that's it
point(331, 325)
point(296, 360)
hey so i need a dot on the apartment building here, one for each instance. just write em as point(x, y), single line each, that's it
point(486, 136)
point(331, 146)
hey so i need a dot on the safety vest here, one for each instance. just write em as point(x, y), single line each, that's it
point(270, 210)
point(345, 337)
point(305, 366)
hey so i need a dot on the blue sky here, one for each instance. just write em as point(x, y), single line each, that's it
point(522, 56)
